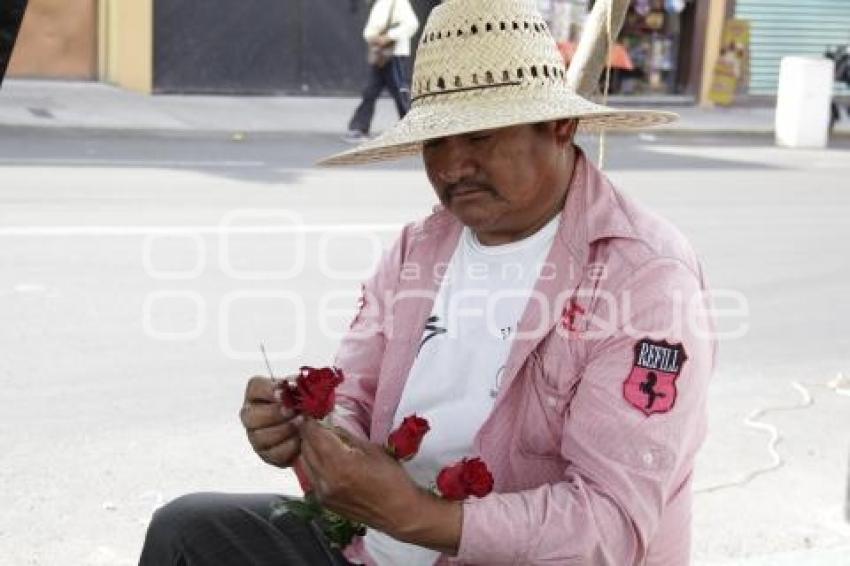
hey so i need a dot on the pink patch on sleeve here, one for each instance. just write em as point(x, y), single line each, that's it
point(651, 384)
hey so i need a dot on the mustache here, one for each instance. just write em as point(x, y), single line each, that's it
point(465, 184)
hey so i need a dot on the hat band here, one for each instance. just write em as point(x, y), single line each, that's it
point(551, 72)
point(463, 89)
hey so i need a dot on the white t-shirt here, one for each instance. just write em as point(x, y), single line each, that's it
point(456, 375)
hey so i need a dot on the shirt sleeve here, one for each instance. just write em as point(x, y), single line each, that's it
point(406, 22)
point(361, 350)
point(403, 25)
point(622, 465)
point(377, 20)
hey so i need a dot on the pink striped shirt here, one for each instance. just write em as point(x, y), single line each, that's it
point(602, 406)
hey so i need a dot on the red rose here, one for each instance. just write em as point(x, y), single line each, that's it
point(403, 443)
point(468, 477)
point(450, 482)
point(479, 480)
point(313, 391)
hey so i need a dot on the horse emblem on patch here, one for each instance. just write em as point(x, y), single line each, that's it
point(651, 385)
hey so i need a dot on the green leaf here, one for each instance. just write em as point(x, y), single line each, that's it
point(305, 509)
point(339, 531)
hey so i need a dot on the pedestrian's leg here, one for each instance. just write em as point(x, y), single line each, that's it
point(362, 119)
point(398, 84)
point(206, 529)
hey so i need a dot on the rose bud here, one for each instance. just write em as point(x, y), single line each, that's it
point(450, 482)
point(467, 477)
point(479, 480)
point(313, 392)
point(403, 443)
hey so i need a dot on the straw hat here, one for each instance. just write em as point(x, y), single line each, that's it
point(484, 64)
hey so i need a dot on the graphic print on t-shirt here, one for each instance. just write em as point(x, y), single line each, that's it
point(461, 363)
point(431, 330)
point(497, 382)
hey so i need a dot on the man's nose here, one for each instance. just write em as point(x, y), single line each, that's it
point(455, 162)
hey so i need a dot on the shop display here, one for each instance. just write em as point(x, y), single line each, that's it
point(652, 38)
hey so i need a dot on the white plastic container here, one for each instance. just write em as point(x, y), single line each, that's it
point(802, 102)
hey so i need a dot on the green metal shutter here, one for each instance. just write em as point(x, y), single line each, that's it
point(790, 27)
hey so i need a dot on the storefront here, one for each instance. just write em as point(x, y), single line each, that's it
point(316, 46)
point(659, 50)
point(311, 47)
point(779, 28)
point(188, 46)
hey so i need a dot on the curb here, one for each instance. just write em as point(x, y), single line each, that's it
point(212, 132)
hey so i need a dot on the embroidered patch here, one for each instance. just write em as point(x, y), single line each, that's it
point(361, 305)
point(569, 316)
point(651, 385)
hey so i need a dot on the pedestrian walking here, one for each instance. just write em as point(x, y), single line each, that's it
point(391, 25)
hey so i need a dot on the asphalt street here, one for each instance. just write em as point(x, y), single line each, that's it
point(139, 273)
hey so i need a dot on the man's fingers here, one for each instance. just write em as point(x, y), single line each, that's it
point(266, 438)
point(324, 444)
point(315, 453)
point(313, 469)
point(262, 389)
point(283, 454)
point(262, 415)
point(309, 452)
point(351, 441)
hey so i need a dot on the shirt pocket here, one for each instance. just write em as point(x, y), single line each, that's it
point(545, 400)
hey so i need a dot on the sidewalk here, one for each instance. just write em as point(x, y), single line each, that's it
point(89, 105)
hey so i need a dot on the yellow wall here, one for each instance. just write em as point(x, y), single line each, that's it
point(126, 46)
point(713, 33)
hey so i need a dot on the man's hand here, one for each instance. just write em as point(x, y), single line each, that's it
point(360, 481)
point(271, 428)
point(382, 40)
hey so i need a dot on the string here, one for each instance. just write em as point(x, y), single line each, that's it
point(610, 48)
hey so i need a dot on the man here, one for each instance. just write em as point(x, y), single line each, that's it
point(539, 320)
point(391, 25)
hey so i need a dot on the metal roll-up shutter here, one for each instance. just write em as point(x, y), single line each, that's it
point(791, 27)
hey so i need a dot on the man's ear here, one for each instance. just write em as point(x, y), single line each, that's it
point(565, 130)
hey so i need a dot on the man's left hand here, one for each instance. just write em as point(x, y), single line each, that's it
point(359, 480)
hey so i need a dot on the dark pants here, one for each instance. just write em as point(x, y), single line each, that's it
point(232, 530)
point(393, 77)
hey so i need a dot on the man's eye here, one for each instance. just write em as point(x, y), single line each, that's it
point(479, 137)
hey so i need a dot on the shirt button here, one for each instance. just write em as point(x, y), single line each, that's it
point(552, 401)
point(648, 459)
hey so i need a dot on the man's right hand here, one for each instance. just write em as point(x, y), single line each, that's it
point(270, 427)
point(382, 40)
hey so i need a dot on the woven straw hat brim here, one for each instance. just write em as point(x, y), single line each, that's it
point(487, 64)
point(469, 112)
